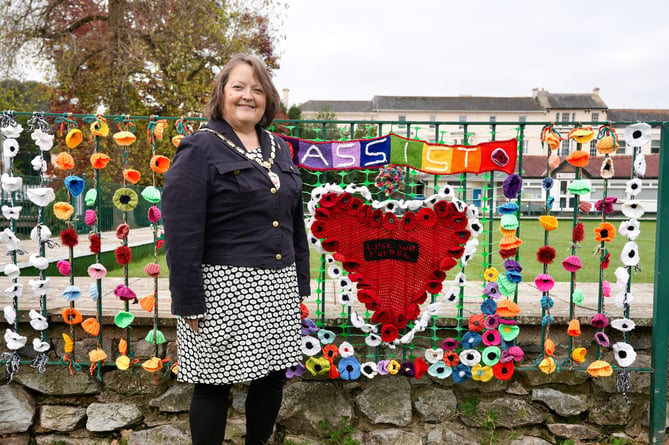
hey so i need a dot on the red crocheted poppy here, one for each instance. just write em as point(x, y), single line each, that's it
point(426, 217)
point(409, 221)
point(451, 358)
point(433, 286)
point(354, 206)
point(376, 218)
point(476, 322)
point(123, 255)
point(364, 213)
point(578, 234)
point(304, 311)
point(389, 221)
point(606, 260)
point(508, 253)
point(503, 371)
point(330, 352)
point(381, 317)
point(95, 243)
point(389, 333)
point(329, 199)
point(343, 200)
point(69, 237)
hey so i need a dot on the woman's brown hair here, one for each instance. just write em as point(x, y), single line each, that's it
point(214, 109)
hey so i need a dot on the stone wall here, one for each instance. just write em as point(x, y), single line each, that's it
point(531, 408)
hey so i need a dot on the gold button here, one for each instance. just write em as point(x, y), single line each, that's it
point(236, 172)
point(278, 257)
point(291, 169)
point(275, 223)
point(272, 191)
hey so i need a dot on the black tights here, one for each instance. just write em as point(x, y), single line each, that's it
point(209, 410)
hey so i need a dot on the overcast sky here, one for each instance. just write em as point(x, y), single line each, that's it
point(353, 50)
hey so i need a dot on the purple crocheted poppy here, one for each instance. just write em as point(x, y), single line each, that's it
point(408, 369)
point(492, 290)
point(606, 205)
point(295, 371)
point(513, 265)
point(602, 339)
point(511, 186)
point(599, 321)
point(449, 344)
point(491, 322)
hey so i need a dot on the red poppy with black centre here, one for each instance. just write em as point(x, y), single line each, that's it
point(328, 200)
point(318, 229)
point(330, 352)
point(503, 371)
point(354, 206)
point(476, 322)
point(442, 209)
point(389, 333)
point(394, 255)
point(343, 200)
point(451, 358)
point(381, 317)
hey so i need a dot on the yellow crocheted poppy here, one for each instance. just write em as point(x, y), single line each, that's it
point(548, 365)
point(582, 135)
point(578, 355)
point(132, 176)
point(153, 364)
point(97, 355)
point(599, 368)
point(159, 129)
point(491, 274)
point(607, 145)
point(99, 160)
point(123, 362)
point(125, 199)
point(176, 140)
point(99, 128)
point(64, 161)
point(317, 366)
point(548, 222)
point(73, 138)
point(482, 373)
point(552, 140)
point(160, 163)
point(63, 210)
point(393, 367)
point(124, 138)
point(604, 232)
point(69, 344)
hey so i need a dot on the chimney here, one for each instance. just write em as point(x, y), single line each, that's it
point(595, 91)
point(285, 97)
point(535, 92)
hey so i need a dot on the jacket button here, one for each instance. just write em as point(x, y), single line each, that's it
point(278, 257)
point(272, 191)
point(275, 223)
point(236, 172)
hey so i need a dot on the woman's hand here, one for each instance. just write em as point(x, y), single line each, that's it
point(193, 323)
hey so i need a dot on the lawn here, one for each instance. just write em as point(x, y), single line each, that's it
point(532, 235)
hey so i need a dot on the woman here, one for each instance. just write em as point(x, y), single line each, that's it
point(237, 253)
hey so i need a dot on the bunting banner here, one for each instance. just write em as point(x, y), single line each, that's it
point(438, 159)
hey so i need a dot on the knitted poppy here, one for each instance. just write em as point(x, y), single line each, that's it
point(69, 237)
point(132, 176)
point(582, 135)
point(546, 302)
point(507, 308)
point(491, 337)
point(548, 222)
point(122, 231)
point(490, 274)
point(154, 214)
point(125, 199)
point(393, 367)
point(295, 371)
point(317, 366)
point(124, 138)
point(123, 255)
point(512, 185)
point(330, 352)
point(638, 135)
point(451, 358)
point(623, 324)
point(64, 267)
point(579, 187)
point(461, 373)
point(95, 243)
point(482, 373)
point(548, 365)
point(124, 293)
point(578, 158)
point(97, 271)
point(148, 303)
point(491, 290)
point(99, 128)
point(607, 144)
point(606, 205)
point(602, 339)
point(64, 161)
point(99, 160)
point(491, 321)
point(488, 307)
point(572, 263)
point(544, 282)
point(326, 337)
point(503, 371)
point(514, 276)
point(599, 368)
point(508, 253)
point(578, 355)
point(546, 254)
point(90, 217)
point(439, 370)
point(633, 209)
point(476, 322)
point(471, 339)
point(547, 183)
point(369, 370)
point(408, 369)
point(574, 328)
point(508, 208)
point(349, 368)
point(73, 138)
point(624, 354)
point(159, 163)
point(449, 344)
point(584, 206)
point(607, 170)
point(71, 316)
point(604, 232)
point(63, 210)
point(599, 321)
point(176, 140)
point(75, 185)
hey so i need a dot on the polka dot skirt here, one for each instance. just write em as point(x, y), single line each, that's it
point(252, 326)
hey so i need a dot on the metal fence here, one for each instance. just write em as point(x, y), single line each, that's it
point(334, 296)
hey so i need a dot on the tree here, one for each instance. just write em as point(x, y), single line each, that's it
point(136, 56)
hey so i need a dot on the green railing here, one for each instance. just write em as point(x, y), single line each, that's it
point(484, 189)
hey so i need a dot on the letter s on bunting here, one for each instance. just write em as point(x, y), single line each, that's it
point(393, 149)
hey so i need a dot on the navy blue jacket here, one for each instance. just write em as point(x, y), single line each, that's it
point(219, 207)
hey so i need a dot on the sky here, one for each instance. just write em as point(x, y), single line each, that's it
point(354, 50)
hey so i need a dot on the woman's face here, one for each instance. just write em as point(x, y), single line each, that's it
point(244, 103)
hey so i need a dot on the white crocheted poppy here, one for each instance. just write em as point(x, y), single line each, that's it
point(41, 196)
point(14, 340)
point(40, 346)
point(470, 357)
point(630, 228)
point(310, 346)
point(10, 148)
point(630, 254)
point(11, 212)
point(12, 131)
point(633, 187)
point(43, 140)
point(632, 209)
point(624, 354)
point(11, 183)
point(637, 135)
point(623, 324)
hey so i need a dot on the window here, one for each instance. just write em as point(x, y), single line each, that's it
point(573, 117)
point(402, 118)
point(433, 118)
point(493, 119)
point(565, 117)
point(654, 145)
point(595, 117)
point(522, 119)
point(593, 147)
point(622, 147)
point(462, 119)
point(564, 148)
point(526, 149)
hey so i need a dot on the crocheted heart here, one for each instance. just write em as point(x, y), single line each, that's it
point(395, 260)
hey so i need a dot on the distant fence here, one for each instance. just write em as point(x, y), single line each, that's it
point(459, 328)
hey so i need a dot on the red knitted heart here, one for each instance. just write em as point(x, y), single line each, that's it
point(395, 260)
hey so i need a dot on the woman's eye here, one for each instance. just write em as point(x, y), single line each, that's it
point(257, 91)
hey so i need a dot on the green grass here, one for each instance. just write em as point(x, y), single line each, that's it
point(532, 235)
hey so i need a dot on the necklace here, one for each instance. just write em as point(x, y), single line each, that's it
point(265, 163)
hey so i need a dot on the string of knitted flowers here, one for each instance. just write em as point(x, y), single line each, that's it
point(389, 179)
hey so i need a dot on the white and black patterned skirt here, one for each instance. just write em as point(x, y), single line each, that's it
point(252, 326)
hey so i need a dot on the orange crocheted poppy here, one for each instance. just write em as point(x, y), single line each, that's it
point(97, 355)
point(153, 364)
point(176, 140)
point(607, 144)
point(64, 161)
point(159, 129)
point(604, 232)
point(330, 352)
point(63, 210)
point(91, 326)
point(451, 358)
point(549, 348)
point(599, 368)
point(574, 328)
point(578, 355)
point(132, 176)
point(476, 322)
point(148, 303)
point(99, 160)
point(578, 158)
point(507, 308)
point(160, 163)
point(71, 316)
point(123, 346)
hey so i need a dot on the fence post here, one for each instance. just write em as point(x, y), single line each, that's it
point(658, 397)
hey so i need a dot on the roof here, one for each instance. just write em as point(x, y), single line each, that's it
point(632, 115)
point(338, 106)
point(570, 101)
point(535, 166)
point(457, 103)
